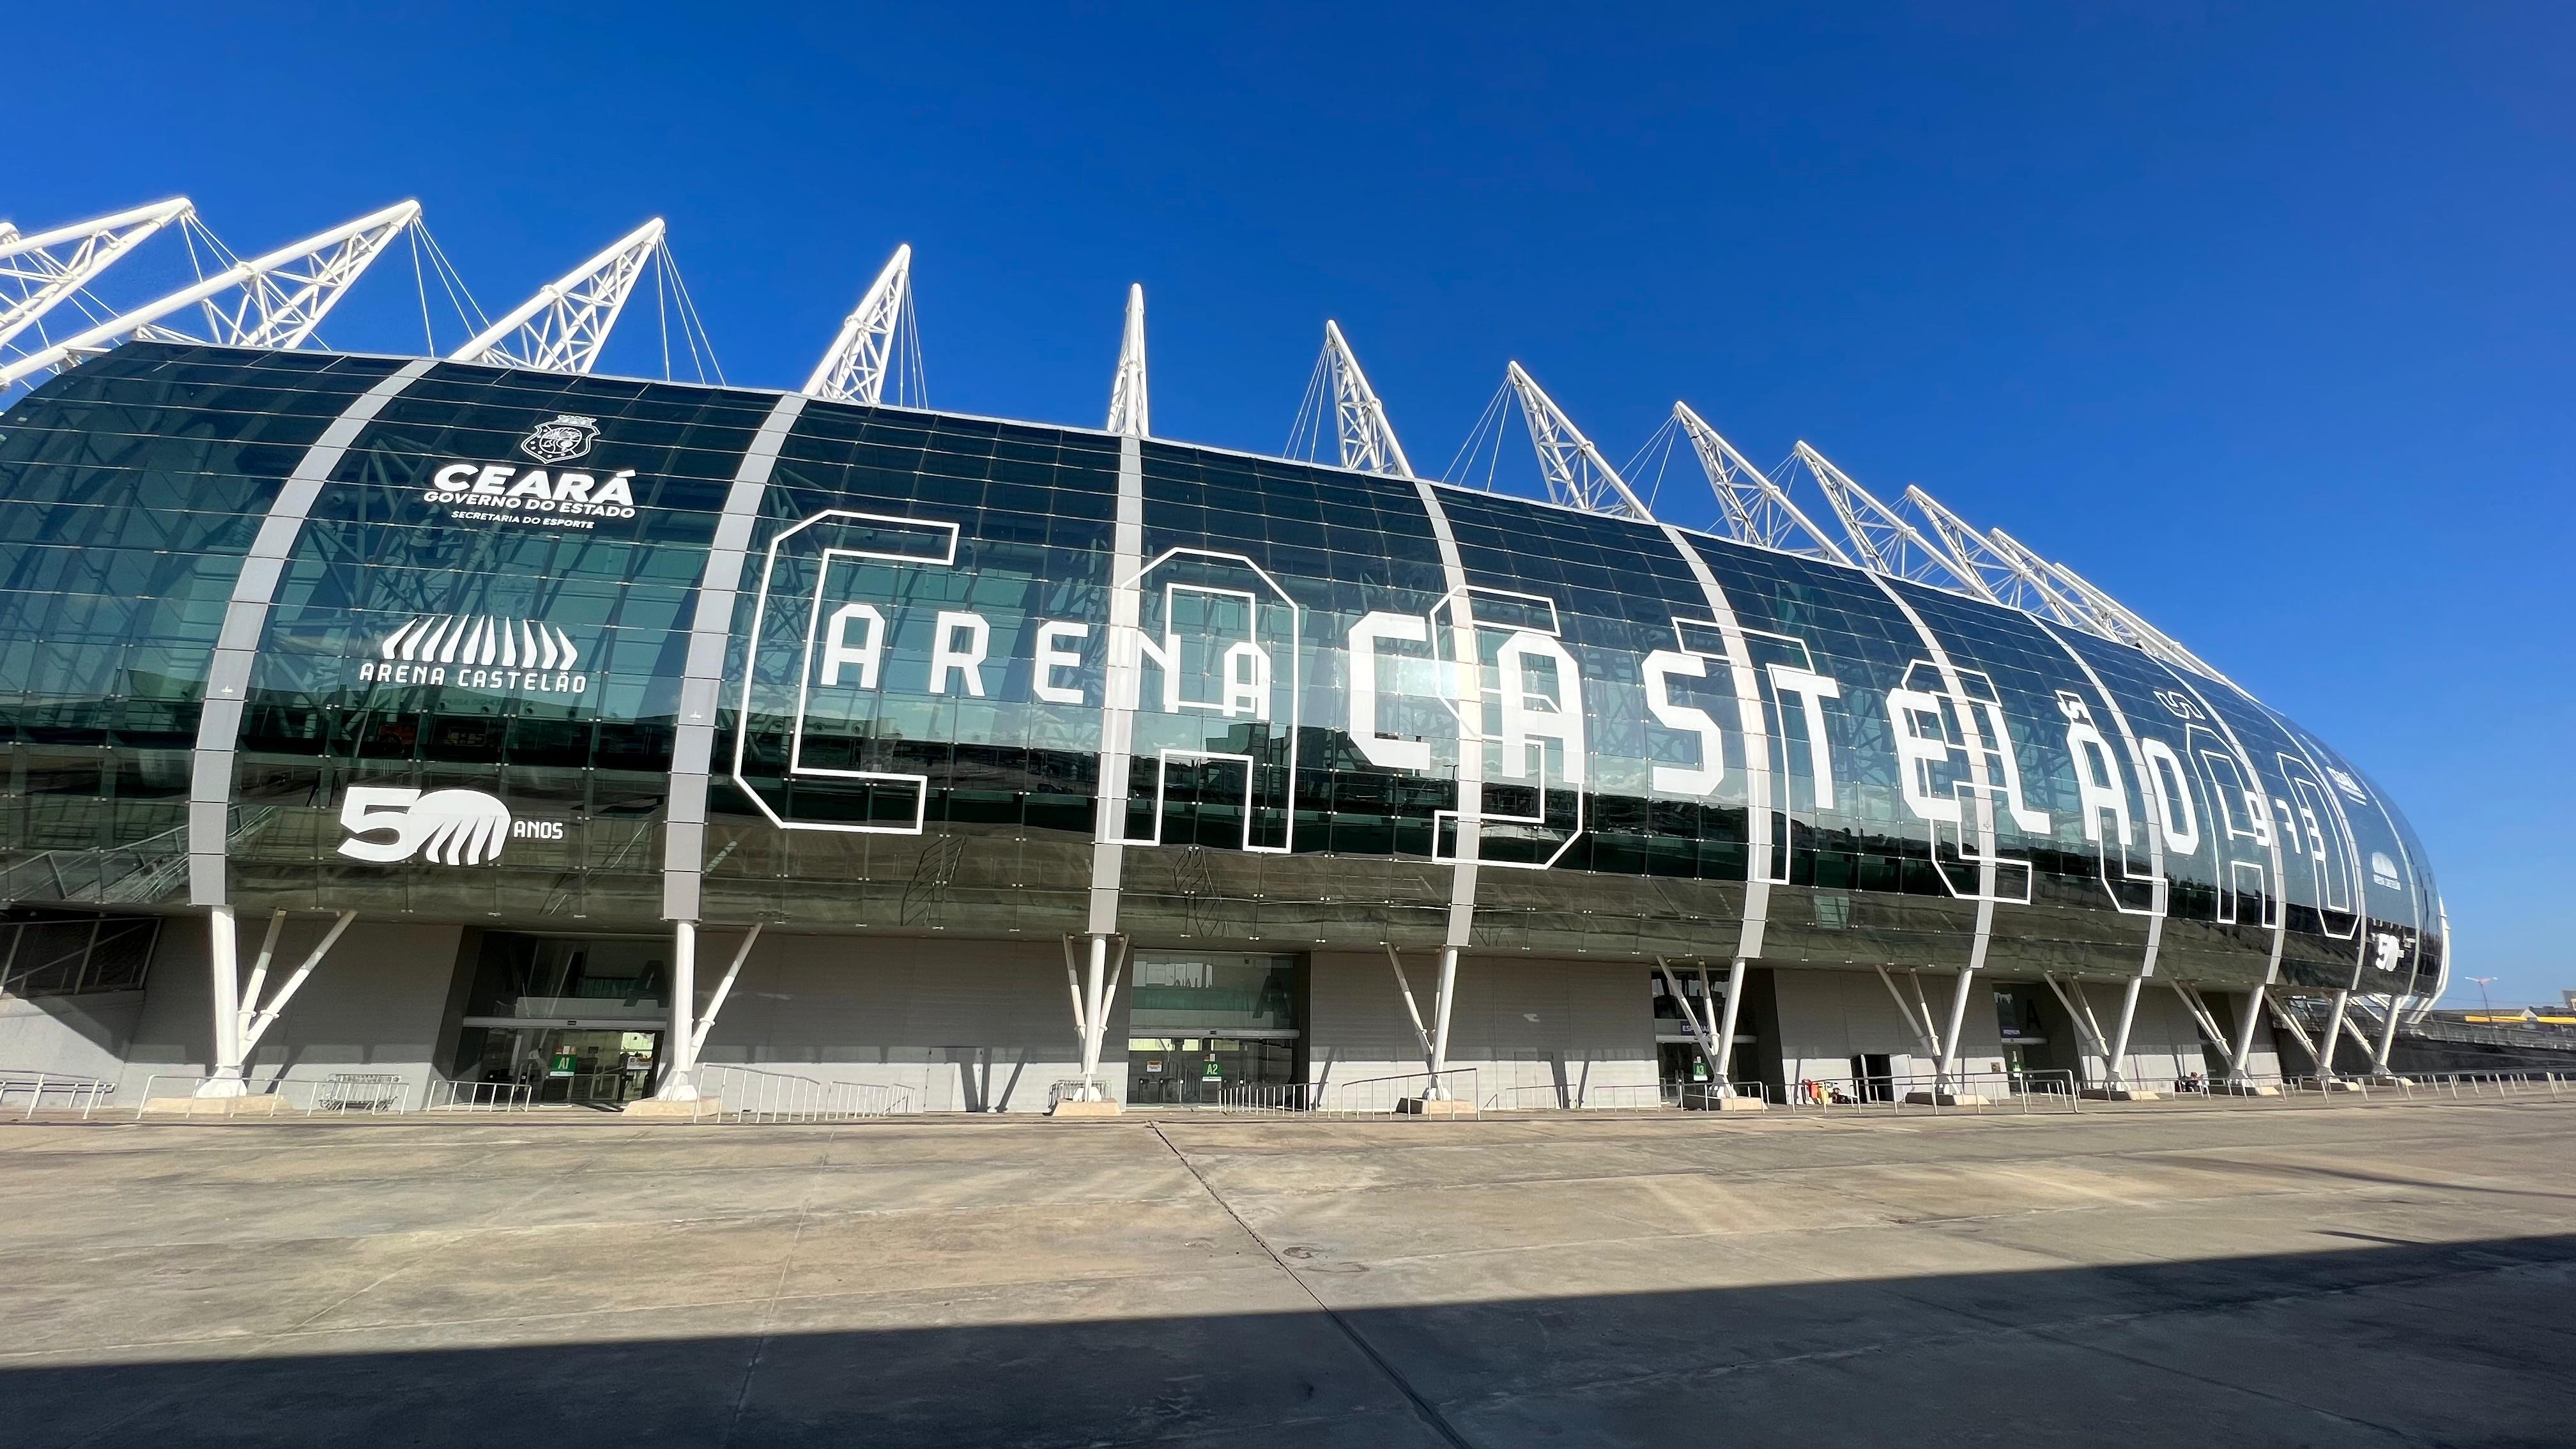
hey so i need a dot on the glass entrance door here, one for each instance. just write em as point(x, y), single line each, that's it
point(1194, 1071)
point(577, 1066)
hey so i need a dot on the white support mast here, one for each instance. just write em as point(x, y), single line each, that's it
point(1129, 414)
point(282, 296)
point(563, 326)
point(1885, 542)
point(1576, 473)
point(856, 367)
point(1368, 439)
point(2007, 579)
point(37, 272)
point(1753, 508)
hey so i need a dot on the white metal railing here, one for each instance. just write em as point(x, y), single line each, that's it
point(68, 1092)
point(747, 1094)
point(295, 1095)
point(447, 1096)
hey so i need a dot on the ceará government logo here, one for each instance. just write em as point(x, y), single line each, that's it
point(548, 494)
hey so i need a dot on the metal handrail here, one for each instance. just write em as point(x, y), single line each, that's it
point(85, 1092)
point(1380, 1096)
point(748, 1094)
point(1078, 1089)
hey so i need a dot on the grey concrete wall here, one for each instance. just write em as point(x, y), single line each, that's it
point(964, 1025)
point(83, 1036)
point(1535, 1031)
point(375, 1004)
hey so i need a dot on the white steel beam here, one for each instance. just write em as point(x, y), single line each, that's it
point(855, 368)
point(1576, 473)
point(1754, 509)
point(261, 1016)
point(563, 327)
point(1412, 1010)
point(1368, 439)
point(1703, 1034)
point(1884, 540)
point(1129, 414)
point(282, 296)
point(724, 988)
point(38, 272)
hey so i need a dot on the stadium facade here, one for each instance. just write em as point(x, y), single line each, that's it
point(477, 723)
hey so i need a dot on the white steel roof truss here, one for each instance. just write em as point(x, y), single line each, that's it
point(279, 298)
point(1576, 473)
point(854, 370)
point(563, 327)
point(1368, 439)
point(2007, 580)
point(38, 272)
point(1130, 407)
point(2137, 631)
point(1886, 543)
point(1754, 509)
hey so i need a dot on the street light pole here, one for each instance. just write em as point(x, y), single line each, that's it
point(2480, 982)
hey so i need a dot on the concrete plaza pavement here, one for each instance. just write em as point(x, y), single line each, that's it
point(2346, 1275)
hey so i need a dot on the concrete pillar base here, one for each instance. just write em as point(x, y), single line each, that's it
point(663, 1109)
point(1435, 1107)
point(215, 1106)
point(1103, 1108)
point(1947, 1099)
point(2119, 1094)
point(2243, 1089)
point(2338, 1084)
point(2389, 1080)
point(1738, 1104)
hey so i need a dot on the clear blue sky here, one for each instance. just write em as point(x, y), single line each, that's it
point(2260, 316)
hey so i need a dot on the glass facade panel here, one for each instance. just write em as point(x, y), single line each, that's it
point(468, 698)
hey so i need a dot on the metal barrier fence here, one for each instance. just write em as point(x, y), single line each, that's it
point(1970, 1092)
point(69, 1092)
point(1078, 1089)
point(1267, 1098)
point(746, 1094)
point(363, 1092)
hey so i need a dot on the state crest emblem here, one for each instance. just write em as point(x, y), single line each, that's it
point(560, 439)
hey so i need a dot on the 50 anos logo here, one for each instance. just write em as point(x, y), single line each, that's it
point(388, 825)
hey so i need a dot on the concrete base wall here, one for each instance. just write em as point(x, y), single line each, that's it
point(971, 1026)
point(1825, 1018)
point(375, 1004)
point(2164, 1041)
point(1538, 1033)
point(82, 1036)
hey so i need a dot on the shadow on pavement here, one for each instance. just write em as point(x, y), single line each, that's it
point(2387, 1344)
